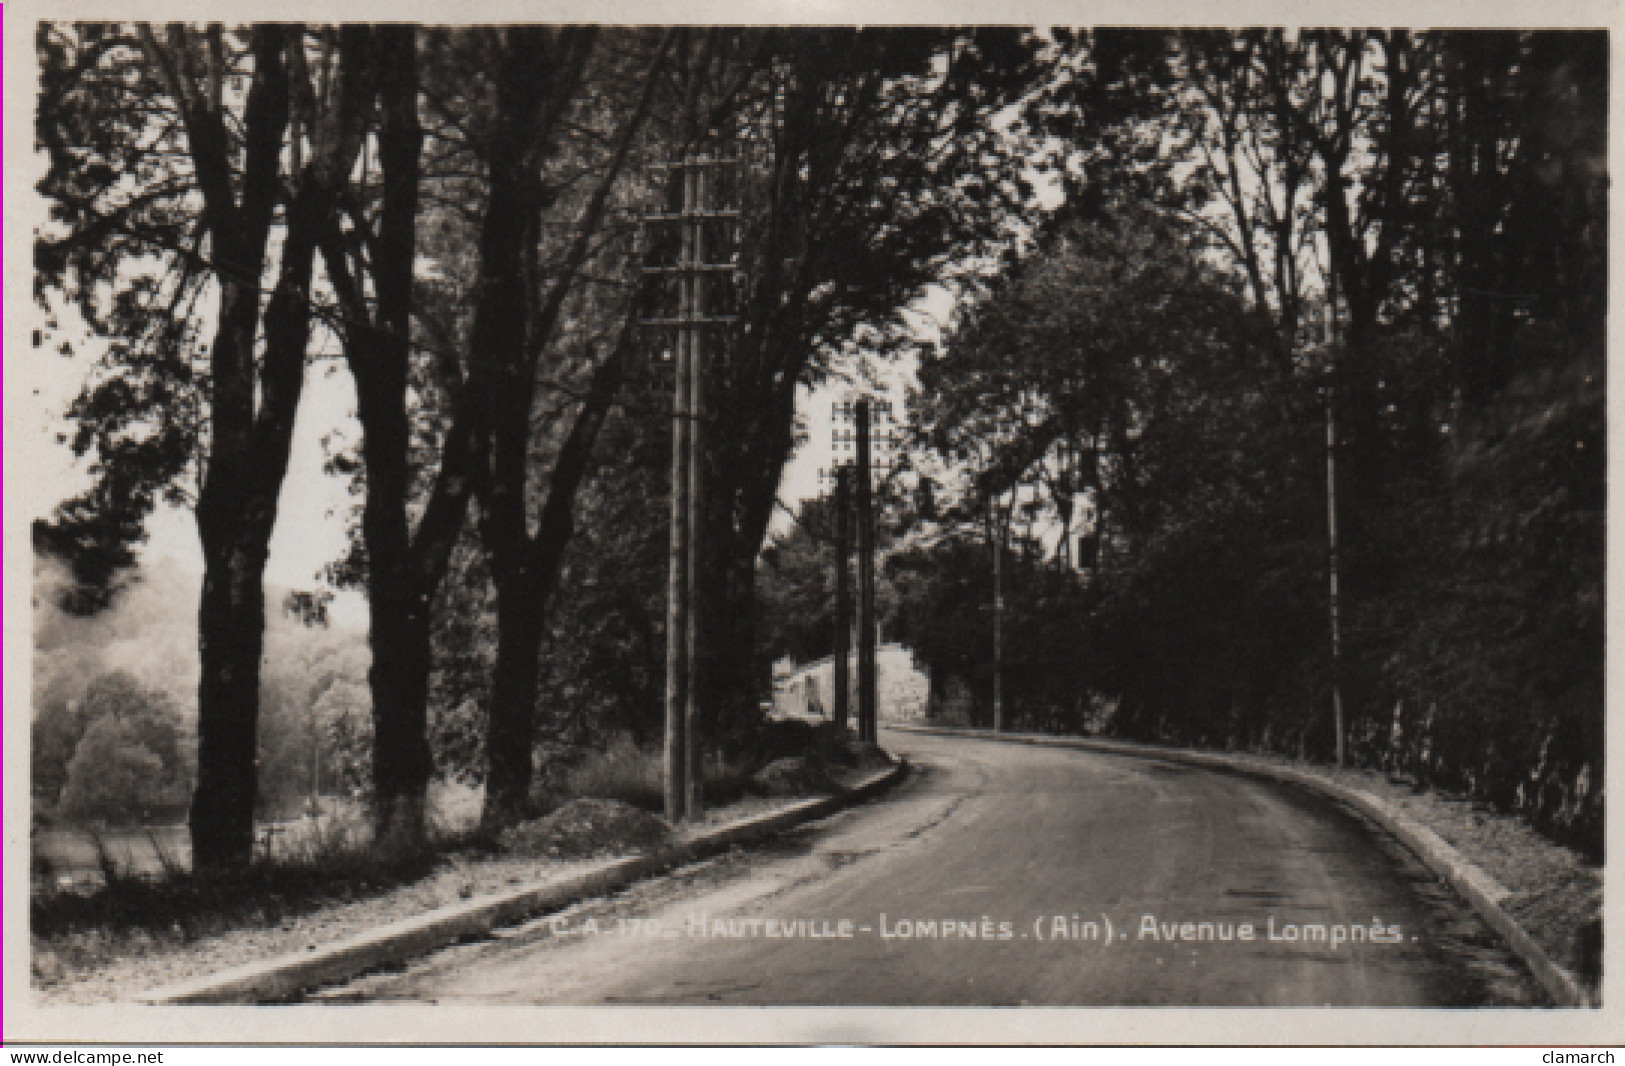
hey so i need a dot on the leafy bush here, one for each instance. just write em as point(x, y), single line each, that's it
point(587, 827)
point(334, 863)
point(635, 774)
point(58, 727)
point(621, 770)
point(821, 743)
point(1492, 683)
point(112, 775)
point(1471, 493)
point(131, 756)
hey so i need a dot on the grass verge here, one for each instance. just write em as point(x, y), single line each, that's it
point(78, 931)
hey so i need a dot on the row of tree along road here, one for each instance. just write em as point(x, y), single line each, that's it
point(1402, 235)
point(460, 213)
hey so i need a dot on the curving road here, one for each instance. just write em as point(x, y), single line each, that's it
point(1003, 865)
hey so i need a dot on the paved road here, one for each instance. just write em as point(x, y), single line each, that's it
point(1018, 850)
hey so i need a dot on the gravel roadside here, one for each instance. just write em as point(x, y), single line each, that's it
point(1556, 894)
point(92, 967)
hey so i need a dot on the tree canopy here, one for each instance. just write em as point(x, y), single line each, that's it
point(1159, 362)
point(1259, 232)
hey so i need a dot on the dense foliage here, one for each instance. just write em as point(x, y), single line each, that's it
point(1128, 414)
point(114, 732)
point(1166, 328)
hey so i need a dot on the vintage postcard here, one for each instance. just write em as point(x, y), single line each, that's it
point(886, 523)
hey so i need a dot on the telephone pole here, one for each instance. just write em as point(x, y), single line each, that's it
point(867, 725)
point(998, 621)
point(843, 597)
point(693, 742)
point(677, 582)
point(1331, 521)
point(683, 756)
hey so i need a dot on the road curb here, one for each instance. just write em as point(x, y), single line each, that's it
point(1484, 893)
point(286, 976)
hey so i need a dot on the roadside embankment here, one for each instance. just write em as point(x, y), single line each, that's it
point(466, 895)
point(1541, 898)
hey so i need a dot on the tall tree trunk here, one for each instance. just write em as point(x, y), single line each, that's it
point(402, 762)
point(248, 450)
point(509, 738)
point(525, 566)
point(526, 573)
point(231, 623)
point(733, 680)
point(231, 616)
point(380, 67)
point(400, 601)
point(236, 516)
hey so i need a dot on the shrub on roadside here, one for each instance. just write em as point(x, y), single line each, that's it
point(334, 863)
point(587, 827)
point(625, 771)
point(822, 744)
point(621, 770)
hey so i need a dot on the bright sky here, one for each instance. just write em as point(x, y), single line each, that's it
point(310, 529)
point(314, 507)
point(311, 519)
point(815, 406)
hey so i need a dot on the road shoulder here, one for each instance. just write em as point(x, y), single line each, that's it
point(285, 975)
point(1543, 947)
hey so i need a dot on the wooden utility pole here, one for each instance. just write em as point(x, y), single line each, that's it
point(843, 596)
point(677, 583)
point(1331, 522)
point(685, 636)
point(998, 619)
point(867, 695)
point(693, 742)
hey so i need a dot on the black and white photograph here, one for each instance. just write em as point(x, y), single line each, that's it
point(885, 524)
